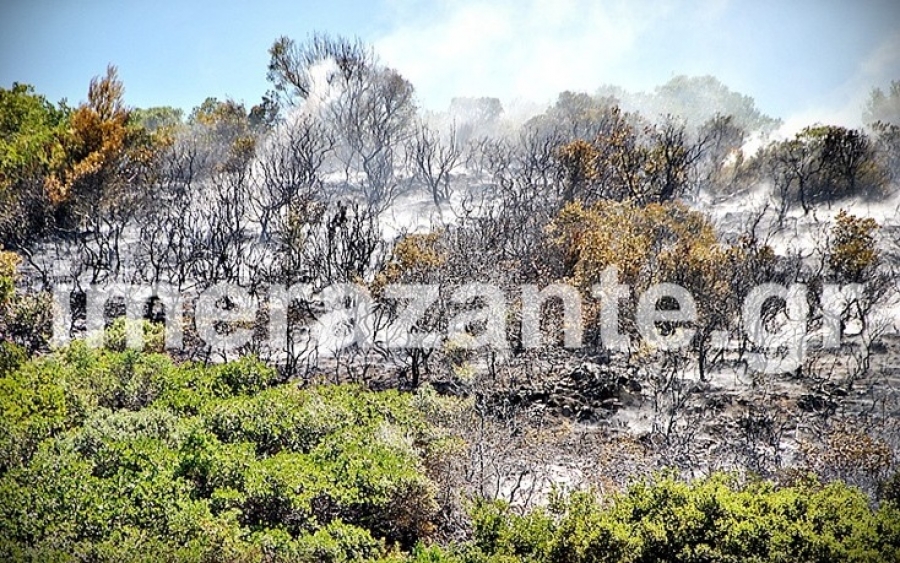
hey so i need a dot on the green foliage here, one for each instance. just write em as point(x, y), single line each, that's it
point(715, 519)
point(8, 263)
point(824, 164)
point(109, 453)
point(24, 317)
point(60, 391)
point(287, 418)
point(29, 125)
point(11, 357)
point(116, 335)
point(158, 120)
point(853, 256)
point(188, 388)
point(889, 489)
point(33, 407)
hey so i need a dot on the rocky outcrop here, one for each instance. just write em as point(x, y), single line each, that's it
point(588, 392)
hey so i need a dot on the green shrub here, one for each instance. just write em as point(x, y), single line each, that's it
point(340, 543)
point(217, 470)
point(288, 418)
point(383, 484)
point(125, 456)
point(715, 519)
point(192, 386)
point(889, 489)
point(11, 357)
point(116, 335)
point(110, 455)
point(104, 426)
point(283, 418)
point(33, 407)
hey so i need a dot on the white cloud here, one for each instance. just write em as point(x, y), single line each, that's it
point(528, 49)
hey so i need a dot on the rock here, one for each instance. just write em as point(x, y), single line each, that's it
point(630, 384)
point(586, 371)
point(815, 403)
point(588, 391)
point(699, 388)
point(719, 402)
point(611, 404)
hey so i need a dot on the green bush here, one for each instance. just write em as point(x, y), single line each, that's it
point(110, 455)
point(889, 489)
point(125, 456)
point(116, 335)
point(104, 426)
point(715, 519)
point(277, 419)
point(11, 357)
point(288, 418)
point(33, 407)
point(340, 543)
point(383, 484)
point(192, 386)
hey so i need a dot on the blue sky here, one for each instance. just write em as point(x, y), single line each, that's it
point(802, 60)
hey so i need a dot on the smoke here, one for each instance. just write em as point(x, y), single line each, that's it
point(510, 50)
point(803, 62)
point(845, 105)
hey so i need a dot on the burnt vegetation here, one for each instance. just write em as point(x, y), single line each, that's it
point(536, 448)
